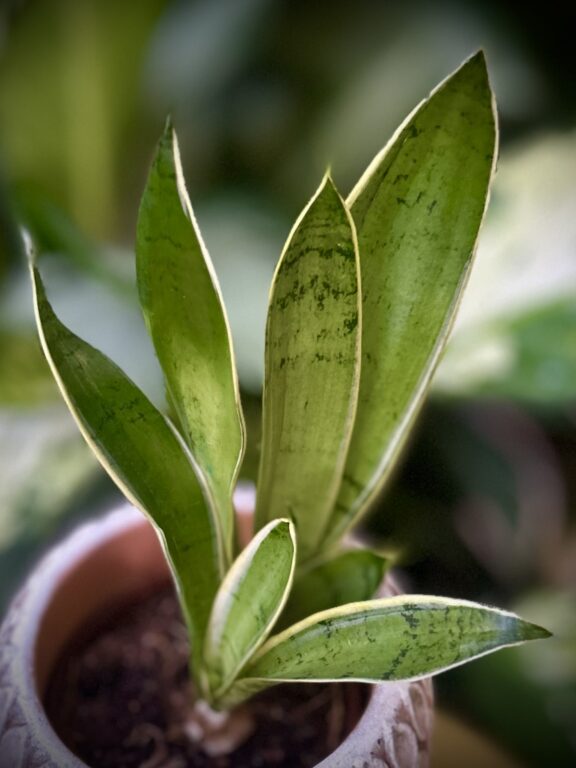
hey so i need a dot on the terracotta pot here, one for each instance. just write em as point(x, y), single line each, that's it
point(116, 560)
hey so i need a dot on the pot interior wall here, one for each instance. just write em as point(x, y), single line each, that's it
point(125, 567)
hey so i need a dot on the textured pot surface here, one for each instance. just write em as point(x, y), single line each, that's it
point(110, 562)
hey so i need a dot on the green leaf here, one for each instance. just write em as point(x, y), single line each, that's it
point(47, 473)
point(144, 457)
point(183, 308)
point(311, 369)
point(11, 250)
point(347, 578)
point(53, 232)
point(249, 601)
point(516, 332)
point(417, 210)
point(25, 379)
point(529, 356)
point(395, 638)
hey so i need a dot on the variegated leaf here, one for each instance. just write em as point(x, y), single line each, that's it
point(144, 457)
point(248, 602)
point(183, 308)
point(312, 369)
point(417, 209)
point(349, 577)
point(398, 638)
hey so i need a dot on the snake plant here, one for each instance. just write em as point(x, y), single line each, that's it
point(361, 304)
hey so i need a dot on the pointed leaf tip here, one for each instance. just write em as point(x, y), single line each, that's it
point(326, 187)
point(168, 126)
point(473, 70)
point(327, 178)
point(29, 249)
point(477, 58)
point(531, 631)
point(520, 631)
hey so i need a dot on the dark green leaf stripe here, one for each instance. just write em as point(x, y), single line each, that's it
point(391, 639)
point(143, 456)
point(350, 577)
point(417, 210)
point(185, 315)
point(249, 601)
point(312, 369)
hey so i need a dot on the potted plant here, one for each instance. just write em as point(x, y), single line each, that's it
point(362, 300)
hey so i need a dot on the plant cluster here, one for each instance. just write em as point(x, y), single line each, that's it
point(361, 304)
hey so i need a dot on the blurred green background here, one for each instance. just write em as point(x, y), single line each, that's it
point(264, 94)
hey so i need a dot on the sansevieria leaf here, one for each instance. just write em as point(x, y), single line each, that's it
point(249, 602)
point(391, 639)
point(311, 369)
point(143, 455)
point(417, 210)
point(349, 577)
point(183, 309)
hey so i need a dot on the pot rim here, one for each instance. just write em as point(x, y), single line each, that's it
point(20, 639)
point(28, 610)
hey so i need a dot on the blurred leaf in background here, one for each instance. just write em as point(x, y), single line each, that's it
point(69, 107)
point(516, 333)
point(69, 129)
point(480, 505)
point(45, 471)
point(534, 714)
point(264, 94)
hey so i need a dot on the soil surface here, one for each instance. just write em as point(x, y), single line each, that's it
point(123, 700)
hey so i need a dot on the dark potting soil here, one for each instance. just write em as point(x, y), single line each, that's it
point(123, 700)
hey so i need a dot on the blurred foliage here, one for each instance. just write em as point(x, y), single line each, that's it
point(480, 504)
point(25, 380)
point(538, 688)
point(485, 505)
point(68, 114)
point(265, 94)
point(10, 247)
point(516, 333)
point(48, 478)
